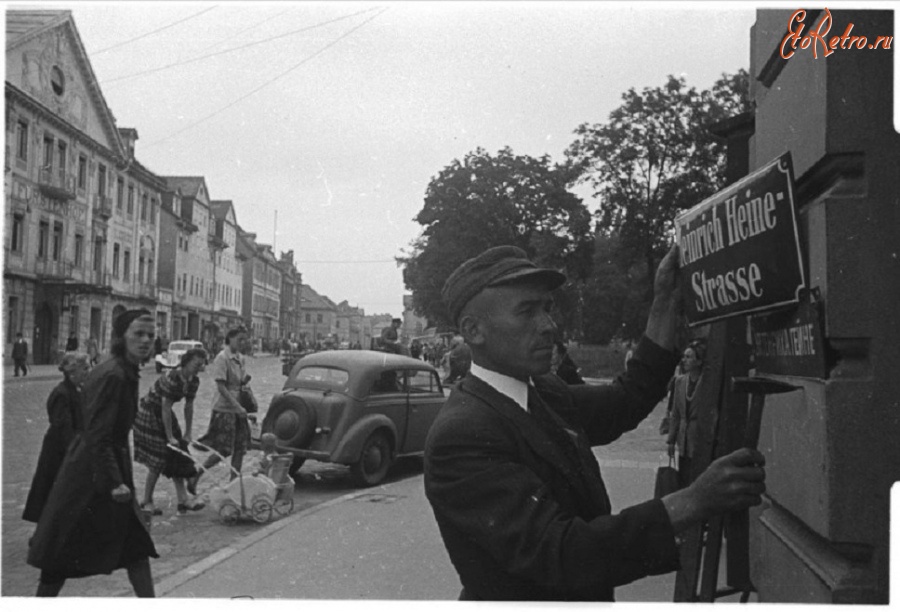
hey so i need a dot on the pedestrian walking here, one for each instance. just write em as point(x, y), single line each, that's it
point(20, 355)
point(64, 411)
point(91, 523)
point(156, 430)
point(72, 342)
point(684, 426)
point(229, 432)
point(93, 351)
point(514, 486)
point(389, 342)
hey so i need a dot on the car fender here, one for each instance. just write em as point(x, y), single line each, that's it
point(351, 443)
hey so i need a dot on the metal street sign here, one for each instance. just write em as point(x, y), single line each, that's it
point(740, 251)
point(789, 342)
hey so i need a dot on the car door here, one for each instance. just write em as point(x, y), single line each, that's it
point(388, 397)
point(425, 400)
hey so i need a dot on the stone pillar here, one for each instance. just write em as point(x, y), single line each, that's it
point(833, 450)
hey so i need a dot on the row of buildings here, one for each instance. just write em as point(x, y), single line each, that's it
point(91, 232)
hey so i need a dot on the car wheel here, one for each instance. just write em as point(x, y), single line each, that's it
point(293, 423)
point(374, 460)
point(296, 464)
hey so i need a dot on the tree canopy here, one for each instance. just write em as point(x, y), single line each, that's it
point(653, 158)
point(490, 200)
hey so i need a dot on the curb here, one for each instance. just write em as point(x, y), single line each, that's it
point(173, 581)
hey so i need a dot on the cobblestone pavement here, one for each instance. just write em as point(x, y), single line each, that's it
point(181, 540)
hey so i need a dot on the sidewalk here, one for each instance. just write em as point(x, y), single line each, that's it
point(380, 544)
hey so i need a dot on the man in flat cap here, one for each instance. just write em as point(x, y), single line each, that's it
point(509, 472)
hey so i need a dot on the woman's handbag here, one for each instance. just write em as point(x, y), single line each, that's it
point(247, 400)
point(666, 480)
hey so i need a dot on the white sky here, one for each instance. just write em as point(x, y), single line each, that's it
point(343, 145)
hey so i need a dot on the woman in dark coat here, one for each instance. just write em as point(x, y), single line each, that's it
point(64, 413)
point(91, 523)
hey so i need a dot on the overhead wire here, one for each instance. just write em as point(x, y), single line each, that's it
point(247, 29)
point(238, 48)
point(156, 31)
point(269, 82)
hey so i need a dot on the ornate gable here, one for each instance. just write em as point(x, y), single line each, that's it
point(45, 59)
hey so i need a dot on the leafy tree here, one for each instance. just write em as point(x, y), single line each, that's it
point(490, 200)
point(655, 157)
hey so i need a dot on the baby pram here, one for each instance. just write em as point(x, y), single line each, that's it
point(257, 496)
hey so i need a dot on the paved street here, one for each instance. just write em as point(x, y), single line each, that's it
point(180, 540)
point(380, 543)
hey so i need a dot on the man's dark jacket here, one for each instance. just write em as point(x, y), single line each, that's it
point(513, 508)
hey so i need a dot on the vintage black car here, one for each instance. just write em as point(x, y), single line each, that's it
point(359, 408)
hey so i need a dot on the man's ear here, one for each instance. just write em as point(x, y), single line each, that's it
point(471, 329)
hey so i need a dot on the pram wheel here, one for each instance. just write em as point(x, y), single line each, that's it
point(283, 507)
point(261, 510)
point(229, 513)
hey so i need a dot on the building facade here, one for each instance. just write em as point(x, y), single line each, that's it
point(261, 304)
point(190, 254)
point(81, 214)
point(319, 315)
point(228, 268)
point(291, 303)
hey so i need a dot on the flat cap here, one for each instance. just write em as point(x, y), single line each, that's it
point(502, 265)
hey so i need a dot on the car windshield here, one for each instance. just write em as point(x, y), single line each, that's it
point(181, 346)
point(320, 377)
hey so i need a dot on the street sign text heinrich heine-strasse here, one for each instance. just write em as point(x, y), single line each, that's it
point(740, 251)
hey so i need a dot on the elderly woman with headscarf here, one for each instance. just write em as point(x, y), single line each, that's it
point(64, 414)
point(91, 523)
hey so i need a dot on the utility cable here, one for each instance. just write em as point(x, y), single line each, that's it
point(247, 29)
point(131, 40)
point(269, 82)
point(215, 53)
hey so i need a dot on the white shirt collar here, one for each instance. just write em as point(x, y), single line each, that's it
point(513, 388)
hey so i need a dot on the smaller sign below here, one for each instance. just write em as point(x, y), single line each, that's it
point(739, 249)
point(789, 342)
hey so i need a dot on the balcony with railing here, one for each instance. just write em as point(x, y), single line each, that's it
point(56, 183)
point(47, 268)
point(102, 205)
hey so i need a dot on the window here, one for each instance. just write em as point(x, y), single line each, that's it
point(337, 323)
point(308, 318)
point(319, 317)
point(18, 227)
point(126, 268)
point(130, 200)
point(57, 81)
point(152, 211)
point(98, 255)
point(115, 265)
point(43, 238)
point(390, 381)
point(57, 244)
point(62, 150)
point(120, 193)
point(48, 152)
point(101, 180)
point(22, 140)
point(423, 381)
point(141, 269)
point(12, 315)
point(79, 250)
point(144, 199)
point(82, 172)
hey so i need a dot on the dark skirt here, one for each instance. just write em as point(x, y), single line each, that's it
point(228, 433)
point(53, 451)
point(151, 446)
